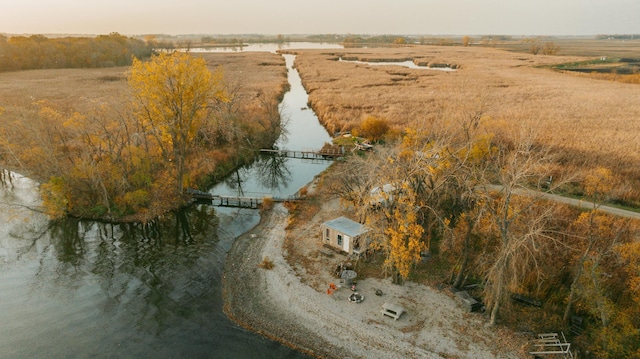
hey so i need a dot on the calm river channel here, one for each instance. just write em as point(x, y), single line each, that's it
point(80, 289)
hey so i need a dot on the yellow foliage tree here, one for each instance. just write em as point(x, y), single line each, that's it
point(601, 231)
point(55, 198)
point(404, 233)
point(598, 185)
point(174, 94)
point(630, 252)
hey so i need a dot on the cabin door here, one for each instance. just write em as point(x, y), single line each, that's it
point(346, 244)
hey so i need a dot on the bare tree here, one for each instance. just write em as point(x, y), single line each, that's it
point(517, 226)
point(550, 48)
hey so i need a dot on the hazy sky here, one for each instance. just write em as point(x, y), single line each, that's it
point(456, 17)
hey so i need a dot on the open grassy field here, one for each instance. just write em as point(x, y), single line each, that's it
point(75, 89)
point(587, 122)
point(580, 46)
point(83, 90)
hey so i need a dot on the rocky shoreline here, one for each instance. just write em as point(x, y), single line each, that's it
point(287, 304)
point(246, 299)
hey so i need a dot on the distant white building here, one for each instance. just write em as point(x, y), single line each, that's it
point(345, 235)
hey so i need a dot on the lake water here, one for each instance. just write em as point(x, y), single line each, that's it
point(81, 289)
point(269, 47)
point(408, 64)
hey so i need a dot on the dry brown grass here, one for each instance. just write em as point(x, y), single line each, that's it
point(67, 89)
point(256, 72)
point(77, 89)
point(629, 79)
point(588, 122)
point(576, 46)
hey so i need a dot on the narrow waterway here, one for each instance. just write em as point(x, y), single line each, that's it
point(80, 289)
point(278, 176)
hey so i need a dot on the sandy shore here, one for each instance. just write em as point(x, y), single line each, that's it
point(289, 305)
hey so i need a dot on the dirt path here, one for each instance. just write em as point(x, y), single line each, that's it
point(574, 202)
point(588, 205)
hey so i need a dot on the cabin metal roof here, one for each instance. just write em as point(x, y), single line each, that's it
point(346, 226)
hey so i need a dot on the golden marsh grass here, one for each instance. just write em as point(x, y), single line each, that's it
point(73, 89)
point(588, 122)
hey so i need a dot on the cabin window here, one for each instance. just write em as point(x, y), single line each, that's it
point(339, 239)
point(327, 235)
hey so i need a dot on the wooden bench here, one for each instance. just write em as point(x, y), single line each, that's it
point(470, 303)
point(392, 310)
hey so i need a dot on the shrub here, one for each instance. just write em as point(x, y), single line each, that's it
point(266, 263)
point(267, 203)
point(374, 128)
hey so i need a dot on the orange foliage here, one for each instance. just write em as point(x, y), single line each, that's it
point(405, 236)
point(374, 128)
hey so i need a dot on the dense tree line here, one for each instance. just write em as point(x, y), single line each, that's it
point(474, 199)
point(133, 160)
point(39, 52)
point(351, 40)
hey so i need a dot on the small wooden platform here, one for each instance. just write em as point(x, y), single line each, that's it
point(552, 344)
point(235, 201)
point(392, 310)
point(323, 154)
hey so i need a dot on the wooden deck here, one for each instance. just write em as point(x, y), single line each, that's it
point(323, 154)
point(236, 201)
point(552, 344)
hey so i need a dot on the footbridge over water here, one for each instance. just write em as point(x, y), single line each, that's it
point(329, 153)
point(236, 201)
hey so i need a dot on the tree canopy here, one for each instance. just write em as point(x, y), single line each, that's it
point(175, 94)
point(40, 52)
point(475, 200)
point(131, 158)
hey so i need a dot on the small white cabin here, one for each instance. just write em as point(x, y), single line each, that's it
point(345, 235)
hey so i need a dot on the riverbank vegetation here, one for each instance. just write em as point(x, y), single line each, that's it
point(586, 123)
point(111, 144)
point(464, 150)
point(459, 212)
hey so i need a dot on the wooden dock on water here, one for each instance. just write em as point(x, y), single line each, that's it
point(237, 201)
point(329, 154)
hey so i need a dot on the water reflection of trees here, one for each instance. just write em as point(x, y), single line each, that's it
point(156, 268)
point(236, 180)
point(71, 248)
point(273, 172)
point(270, 171)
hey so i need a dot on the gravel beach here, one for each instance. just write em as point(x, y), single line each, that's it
point(289, 305)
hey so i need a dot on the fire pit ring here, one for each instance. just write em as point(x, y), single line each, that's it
point(356, 298)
